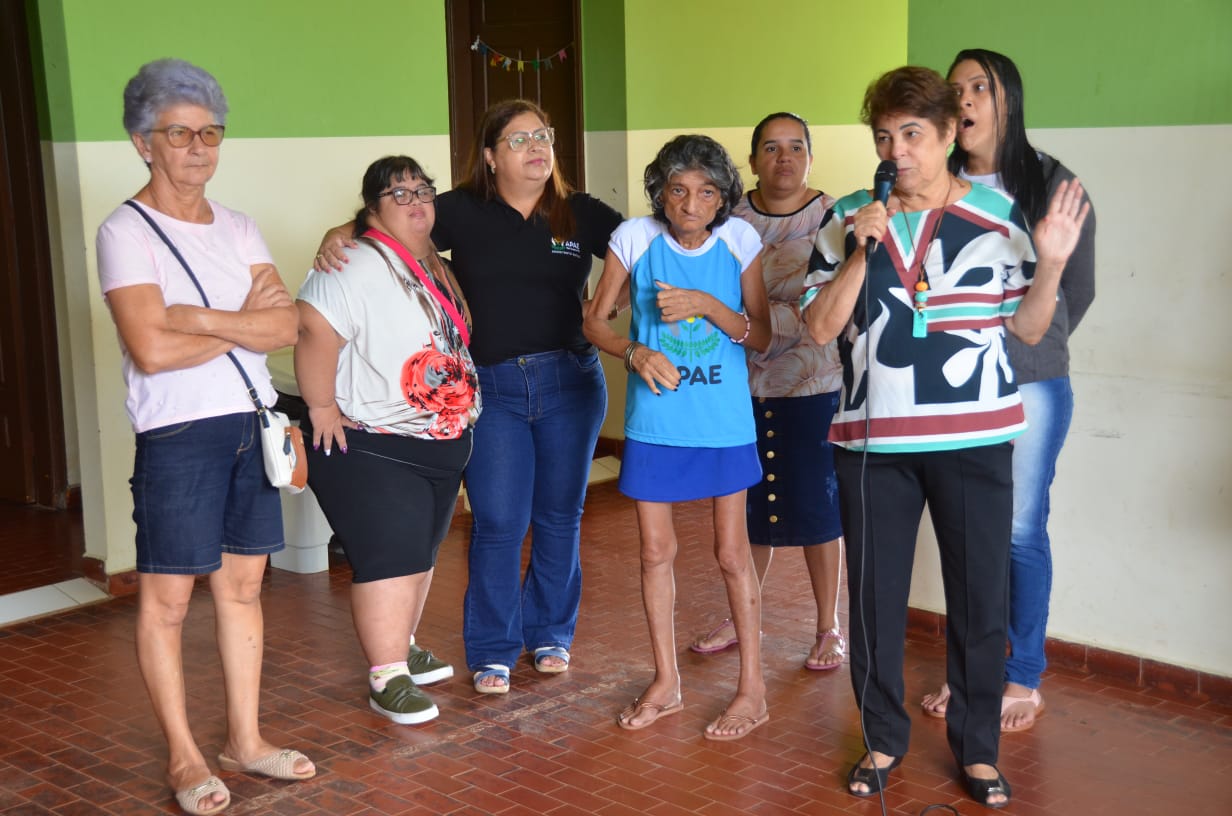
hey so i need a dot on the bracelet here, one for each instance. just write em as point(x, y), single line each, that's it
point(632, 347)
point(747, 325)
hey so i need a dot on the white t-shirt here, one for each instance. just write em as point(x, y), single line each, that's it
point(404, 369)
point(221, 255)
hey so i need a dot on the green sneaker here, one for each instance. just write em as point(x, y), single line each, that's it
point(403, 702)
point(425, 668)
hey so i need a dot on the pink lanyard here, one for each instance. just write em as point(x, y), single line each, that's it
point(446, 303)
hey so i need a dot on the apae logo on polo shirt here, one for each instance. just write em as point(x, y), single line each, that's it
point(571, 248)
point(694, 338)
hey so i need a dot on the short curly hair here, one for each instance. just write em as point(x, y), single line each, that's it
point(694, 152)
point(911, 90)
point(163, 83)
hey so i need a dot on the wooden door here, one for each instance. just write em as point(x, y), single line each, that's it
point(522, 30)
point(32, 465)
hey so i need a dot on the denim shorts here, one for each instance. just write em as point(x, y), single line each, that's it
point(199, 490)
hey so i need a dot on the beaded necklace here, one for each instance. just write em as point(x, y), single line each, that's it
point(919, 323)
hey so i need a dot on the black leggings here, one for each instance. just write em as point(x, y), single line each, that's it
point(389, 499)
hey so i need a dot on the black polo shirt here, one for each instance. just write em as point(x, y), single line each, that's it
point(524, 289)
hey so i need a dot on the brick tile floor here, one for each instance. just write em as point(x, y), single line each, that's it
point(77, 735)
point(38, 547)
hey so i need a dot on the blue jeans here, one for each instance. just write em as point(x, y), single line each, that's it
point(533, 446)
point(1049, 405)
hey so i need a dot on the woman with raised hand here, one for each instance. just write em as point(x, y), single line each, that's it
point(202, 503)
point(993, 150)
point(929, 408)
point(795, 385)
point(522, 243)
point(383, 367)
point(694, 280)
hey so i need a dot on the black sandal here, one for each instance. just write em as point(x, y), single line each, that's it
point(981, 789)
point(876, 778)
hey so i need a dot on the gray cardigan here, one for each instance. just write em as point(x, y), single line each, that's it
point(1050, 357)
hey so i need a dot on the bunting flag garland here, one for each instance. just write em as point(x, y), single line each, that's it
point(498, 60)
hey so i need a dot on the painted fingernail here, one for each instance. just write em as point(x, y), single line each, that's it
point(327, 451)
point(344, 449)
point(316, 445)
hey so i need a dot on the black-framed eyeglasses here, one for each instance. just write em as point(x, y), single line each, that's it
point(403, 196)
point(519, 140)
point(182, 136)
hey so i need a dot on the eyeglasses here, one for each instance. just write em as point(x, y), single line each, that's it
point(403, 196)
point(519, 140)
point(181, 136)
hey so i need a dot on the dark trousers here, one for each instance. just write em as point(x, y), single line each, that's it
point(970, 499)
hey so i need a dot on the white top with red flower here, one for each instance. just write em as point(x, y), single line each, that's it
point(405, 369)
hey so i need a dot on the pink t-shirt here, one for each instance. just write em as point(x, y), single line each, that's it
point(221, 255)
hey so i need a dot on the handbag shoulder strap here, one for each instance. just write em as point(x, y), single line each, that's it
point(252, 391)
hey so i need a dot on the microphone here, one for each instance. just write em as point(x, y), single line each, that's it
point(883, 182)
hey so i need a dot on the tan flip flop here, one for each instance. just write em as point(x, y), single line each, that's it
point(736, 719)
point(937, 709)
point(623, 719)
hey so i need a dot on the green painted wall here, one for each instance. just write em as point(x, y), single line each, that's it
point(297, 68)
point(304, 68)
point(721, 63)
point(603, 65)
point(1099, 63)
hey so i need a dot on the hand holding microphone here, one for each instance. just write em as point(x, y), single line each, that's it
point(883, 183)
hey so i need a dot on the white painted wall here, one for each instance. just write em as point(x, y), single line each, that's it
point(1142, 503)
point(1142, 506)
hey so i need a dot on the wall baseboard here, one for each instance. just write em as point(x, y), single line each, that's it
point(1174, 681)
point(117, 586)
point(609, 446)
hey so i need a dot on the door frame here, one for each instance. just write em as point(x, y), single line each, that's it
point(460, 32)
point(26, 249)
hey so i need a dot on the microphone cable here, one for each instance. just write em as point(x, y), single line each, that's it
point(865, 519)
point(864, 522)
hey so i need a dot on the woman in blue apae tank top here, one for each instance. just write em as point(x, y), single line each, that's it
point(698, 299)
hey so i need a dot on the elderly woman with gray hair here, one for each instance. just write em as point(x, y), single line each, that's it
point(698, 299)
point(202, 503)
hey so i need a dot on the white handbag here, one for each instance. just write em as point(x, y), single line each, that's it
point(282, 447)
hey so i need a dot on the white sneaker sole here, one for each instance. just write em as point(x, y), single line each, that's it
point(435, 676)
point(405, 718)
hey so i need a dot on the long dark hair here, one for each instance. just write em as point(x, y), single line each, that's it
point(1016, 161)
point(554, 203)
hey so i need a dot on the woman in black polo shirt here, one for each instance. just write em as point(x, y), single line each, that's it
point(522, 241)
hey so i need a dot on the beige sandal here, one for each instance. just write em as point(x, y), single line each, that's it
point(189, 799)
point(278, 764)
point(1034, 698)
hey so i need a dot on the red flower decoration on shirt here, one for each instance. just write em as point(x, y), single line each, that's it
point(437, 383)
